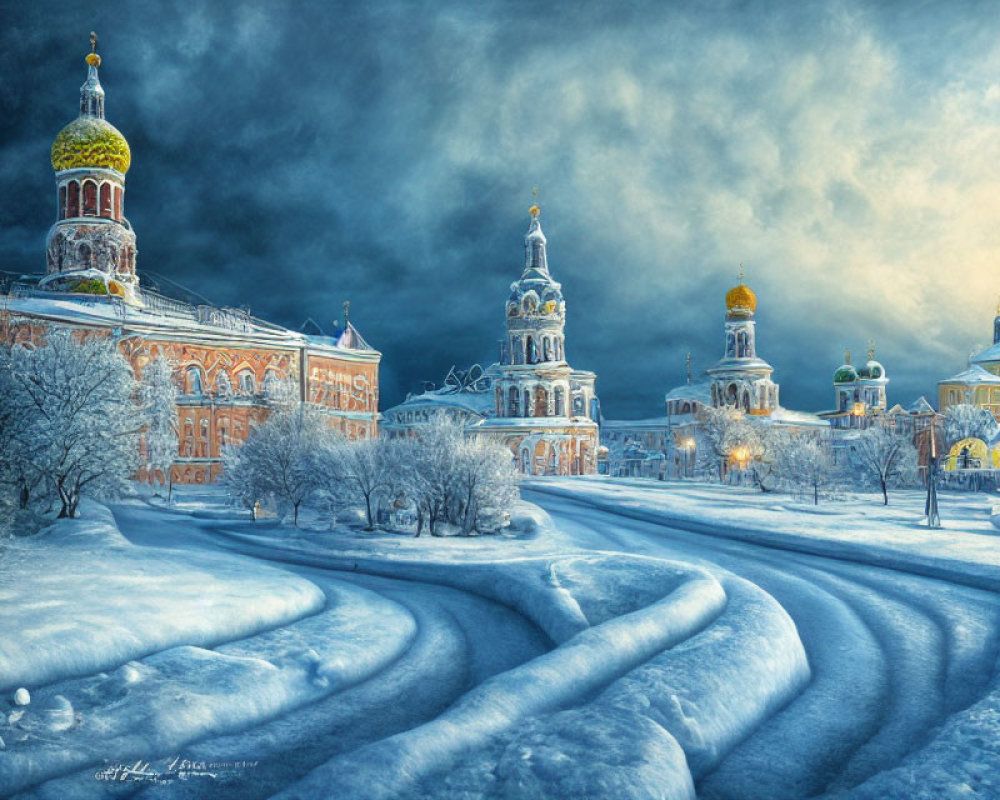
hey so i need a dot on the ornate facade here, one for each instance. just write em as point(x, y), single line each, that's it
point(466, 396)
point(230, 368)
point(545, 411)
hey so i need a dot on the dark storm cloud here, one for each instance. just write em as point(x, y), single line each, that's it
point(289, 155)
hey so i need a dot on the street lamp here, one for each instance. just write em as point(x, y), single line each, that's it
point(931, 506)
point(688, 446)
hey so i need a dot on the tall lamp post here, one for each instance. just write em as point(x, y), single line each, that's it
point(931, 507)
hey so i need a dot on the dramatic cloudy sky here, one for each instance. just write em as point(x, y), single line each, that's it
point(288, 155)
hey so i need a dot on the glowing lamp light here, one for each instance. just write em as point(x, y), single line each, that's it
point(859, 410)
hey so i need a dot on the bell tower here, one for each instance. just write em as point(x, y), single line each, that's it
point(91, 247)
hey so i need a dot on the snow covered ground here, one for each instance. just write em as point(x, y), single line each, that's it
point(638, 640)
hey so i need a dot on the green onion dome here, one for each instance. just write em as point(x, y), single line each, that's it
point(845, 374)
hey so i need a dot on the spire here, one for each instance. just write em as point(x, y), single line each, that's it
point(871, 349)
point(741, 273)
point(534, 242)
point(847, 356)
point(92, 93)
point(687, 364)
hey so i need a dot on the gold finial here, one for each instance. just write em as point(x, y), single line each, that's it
point(847, 356)
point(741, 273)
point(534, 210)
point(871, 349)
point(93, 59)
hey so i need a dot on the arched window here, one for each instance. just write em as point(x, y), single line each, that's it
point(106, 200)
point(541, 402)
point(62, 202)
point(518, 351)
point(525, 461)
point(527, 403)
point(730, 345)
point(513, 400)
point(532, 351)
point(192, 381)
point(89, 199)
point(560, 401)
point(742, 345)
point(547, 348)
point(118, 203)
point(203, 439)
point(553, 465)
point(73, 199)
point(247, 382)
point(83, 255)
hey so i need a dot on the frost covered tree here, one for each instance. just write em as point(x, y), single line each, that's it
point(83, 425)
point(158, 398)
point(278, 460)
point(966, 421)
point(719, 431)
point(885, 456)
point(764, 447)
point(428, 465)
point(245, 477)
point(368, 469)
point(466, 482)
point(486, 483)
point(808, 462)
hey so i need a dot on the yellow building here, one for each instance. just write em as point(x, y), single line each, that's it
point(979, 385)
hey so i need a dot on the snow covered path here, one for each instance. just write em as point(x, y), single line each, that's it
point(607, 656)
point(892, 654)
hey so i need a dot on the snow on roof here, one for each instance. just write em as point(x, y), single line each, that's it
point(700, 391)
point(111, 311)
point(787, 416)
point(991, 353)
point(477, 402)
point(920, 406)
point(975, 374)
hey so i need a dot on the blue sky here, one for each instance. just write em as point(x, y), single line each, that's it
point(291, 155)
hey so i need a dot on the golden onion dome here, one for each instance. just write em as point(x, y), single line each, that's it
point(90, 142)
point(741, 298)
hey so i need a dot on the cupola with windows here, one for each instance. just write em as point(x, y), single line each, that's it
point(91, 236)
